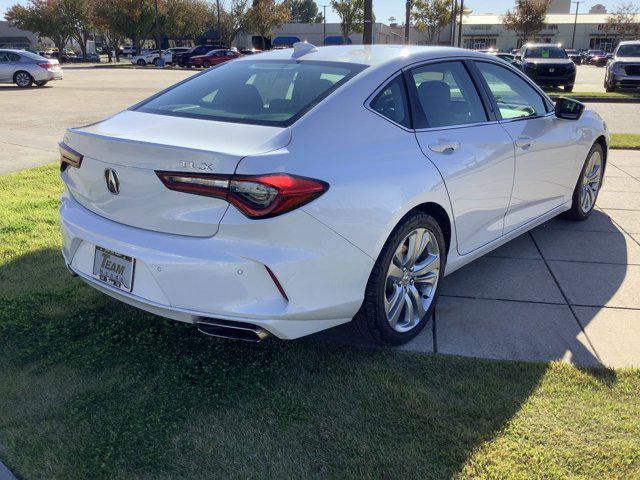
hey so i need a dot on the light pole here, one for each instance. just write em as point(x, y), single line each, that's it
point(452, 27)
point(460, 25)
point(155, 6)
point(575, 21)
point(324, 24)
point(407, 22)
point(367, 34)
point(218, 15)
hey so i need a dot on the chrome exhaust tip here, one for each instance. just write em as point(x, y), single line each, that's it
point(232, 330)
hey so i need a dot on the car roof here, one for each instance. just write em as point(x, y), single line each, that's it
point(370, 55)
point(543, 45)
point(629, 42)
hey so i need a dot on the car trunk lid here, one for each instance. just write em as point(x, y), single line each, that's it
point(134, 145)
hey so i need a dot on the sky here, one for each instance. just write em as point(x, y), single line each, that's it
point(395, 8)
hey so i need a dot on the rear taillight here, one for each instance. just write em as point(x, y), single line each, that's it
point(68, 156)
point(256, 196)
point(45, 65)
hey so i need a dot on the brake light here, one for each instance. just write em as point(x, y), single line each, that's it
point(68, 156)
point(45, 65)
point(256, 196)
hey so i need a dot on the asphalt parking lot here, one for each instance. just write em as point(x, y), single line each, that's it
point(565, 291)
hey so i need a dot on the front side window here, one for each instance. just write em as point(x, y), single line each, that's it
point(446, 95)
point(3, 57)
point(515, 97)
point(264, 92)
point(391, 102)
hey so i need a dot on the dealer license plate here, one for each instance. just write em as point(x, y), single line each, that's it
point(113, 268)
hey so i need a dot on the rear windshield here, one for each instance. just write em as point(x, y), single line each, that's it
point(264, 92)
point(545, 52)
point(631, 50)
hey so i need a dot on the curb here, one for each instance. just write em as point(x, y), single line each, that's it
point(5, 473)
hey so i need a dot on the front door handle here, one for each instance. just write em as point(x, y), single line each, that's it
point(444, 146)
point(524, 142)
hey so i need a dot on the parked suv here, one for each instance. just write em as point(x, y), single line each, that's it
point(547, 65)
point(623, 70)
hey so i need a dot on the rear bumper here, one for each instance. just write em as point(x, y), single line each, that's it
point(47, 75)
point(225, 277)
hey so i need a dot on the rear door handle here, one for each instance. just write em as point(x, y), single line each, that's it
point(444, 146)
point(523, 142)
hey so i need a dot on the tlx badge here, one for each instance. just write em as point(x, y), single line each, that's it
point(198, 166)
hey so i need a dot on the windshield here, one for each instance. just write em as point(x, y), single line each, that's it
point(545, 52)
point(632, 50)
point(263, 92)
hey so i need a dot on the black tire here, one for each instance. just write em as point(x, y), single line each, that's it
point(608, 87)
point(41, 84)
point(206, 64)
point(372, 317)
point(156, 62)
point(577, 212)
point(22, 79)
point(568, 88)
point(141, 63)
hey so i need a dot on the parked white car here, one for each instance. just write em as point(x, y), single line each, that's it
point(153, 57)
point(26, 69)
point(290, 191)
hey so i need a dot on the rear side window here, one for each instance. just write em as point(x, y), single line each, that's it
point(264, 92)
point(515, 97)
point(447, 96)
point(392, 102)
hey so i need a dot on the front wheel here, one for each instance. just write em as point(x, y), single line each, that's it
point(568, 88)
point(141, 63)
point(206, 64)
point(23, 79)
point(404, 284)
point(588, 186)
point(608, 87)
point(156, 62)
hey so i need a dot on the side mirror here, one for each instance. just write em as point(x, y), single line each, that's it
point(569, 109)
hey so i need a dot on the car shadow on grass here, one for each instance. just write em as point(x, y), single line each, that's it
point(93, 388)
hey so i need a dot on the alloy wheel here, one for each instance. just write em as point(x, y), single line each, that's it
point(591, 182)
point(23, 79)
point(412, 279)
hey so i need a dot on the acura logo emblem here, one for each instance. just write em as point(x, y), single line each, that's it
point(113, 184)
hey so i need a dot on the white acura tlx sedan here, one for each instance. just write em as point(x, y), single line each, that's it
point(292, 191)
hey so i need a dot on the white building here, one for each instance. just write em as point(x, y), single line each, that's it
point(485, 30)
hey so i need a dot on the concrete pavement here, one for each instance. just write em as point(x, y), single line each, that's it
point(566, 291)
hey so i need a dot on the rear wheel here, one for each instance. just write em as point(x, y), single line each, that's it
point(404, 283)
point(206, 64)
point(588, 186)
point(141, 63)
point(23, 79)
point(156, 62)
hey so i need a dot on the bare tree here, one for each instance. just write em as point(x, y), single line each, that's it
point(430, 17)
point(623, 21)
point(527, 19)
point(234, 17)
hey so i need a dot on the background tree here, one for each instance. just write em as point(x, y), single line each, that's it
point(527, 19)
point(351, 13)
point(623, 21)
point(104, 19)
point(44, 18)
point(132, 19)
point(78, 15)
point(304, 11)
point(234, 17)
point(265, 15)
point(430, 17)
point(186, 19)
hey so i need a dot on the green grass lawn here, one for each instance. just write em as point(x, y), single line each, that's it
point(93, 389)
point(630, 141)
point(557, 92)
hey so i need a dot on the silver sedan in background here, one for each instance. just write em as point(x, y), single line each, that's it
point(26, 68)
